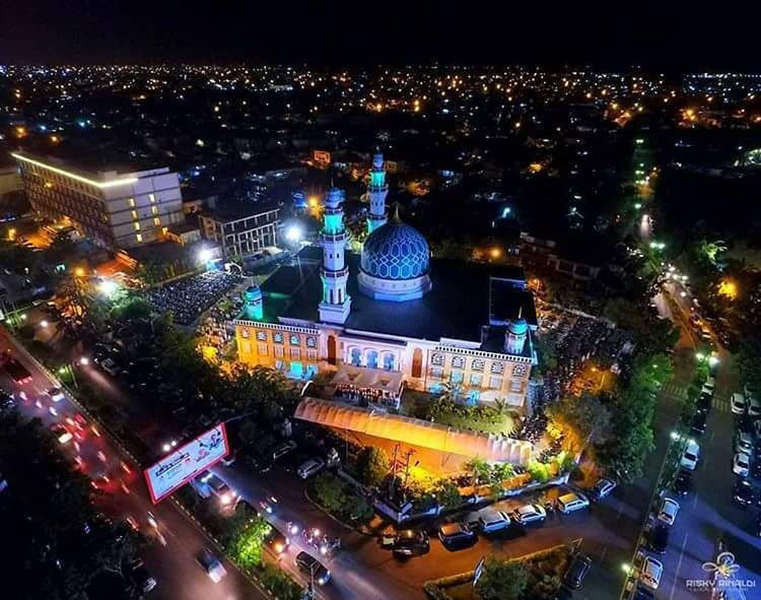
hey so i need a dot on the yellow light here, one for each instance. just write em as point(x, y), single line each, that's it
point(100, 184)
point(11, 234)
point(314, 201)
point(79, 272)
point(495, 252)
point(728, 288)
point(54, 139)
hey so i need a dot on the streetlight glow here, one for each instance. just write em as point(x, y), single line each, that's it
point(108, 287)
point(84, 361)
point(293, 233)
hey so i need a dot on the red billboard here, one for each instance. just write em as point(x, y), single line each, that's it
point(176, 469)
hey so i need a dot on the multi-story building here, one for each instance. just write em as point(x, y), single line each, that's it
point(393, 316)
point(115, 210)
point(241, 231)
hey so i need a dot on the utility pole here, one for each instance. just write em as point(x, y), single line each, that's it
point(393, 472)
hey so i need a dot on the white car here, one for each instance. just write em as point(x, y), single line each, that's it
point(568, 503)
point(668, 511)
point(56, 395)
point(310, 467)
point(530, 513)
point(710, 383)
point(754, 406)
point(493, 520)
point(652, 570)
point(212, 565)
point(690, 456)
point(738, 403)
point(603, 488)
point(741, 464)
point(743, 442)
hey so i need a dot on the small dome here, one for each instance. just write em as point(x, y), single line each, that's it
point(518, 327)
point(395, 251)
point(253, 292)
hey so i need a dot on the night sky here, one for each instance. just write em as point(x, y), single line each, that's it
point(653, 35)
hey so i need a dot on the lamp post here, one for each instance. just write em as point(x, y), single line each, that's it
point(68, 370)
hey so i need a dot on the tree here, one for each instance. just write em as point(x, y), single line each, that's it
point(372, 466)
point(331, 492)
point(248, 542)
point(479, 469)
point(502, 580)
point(587, 419)
point(448, 494)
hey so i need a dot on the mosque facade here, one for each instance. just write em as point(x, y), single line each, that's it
point(392, 312)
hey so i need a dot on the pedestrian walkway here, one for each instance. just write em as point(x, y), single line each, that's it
point(676, 389)
point(721, 404)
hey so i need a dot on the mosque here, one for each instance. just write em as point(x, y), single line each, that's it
point(392, 317)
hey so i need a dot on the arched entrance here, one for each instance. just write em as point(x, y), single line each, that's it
point(417, 363)
point(332, 350)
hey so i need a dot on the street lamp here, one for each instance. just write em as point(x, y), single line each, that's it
point(43, 323)
point(84, 361)
point(204, 255)
point(294, 234)
point(713, 361)
point(108, 287)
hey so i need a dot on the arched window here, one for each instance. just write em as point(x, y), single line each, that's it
point(372, 359)
point(417, 362)
point(356, 357)
point(388, 361)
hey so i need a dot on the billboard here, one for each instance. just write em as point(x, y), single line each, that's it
point(176, 469)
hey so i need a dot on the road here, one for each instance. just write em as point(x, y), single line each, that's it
point(173, 565)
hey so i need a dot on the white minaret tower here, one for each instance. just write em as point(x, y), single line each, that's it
point(336, 304)
point(378, 190)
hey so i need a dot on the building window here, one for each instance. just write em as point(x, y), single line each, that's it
point(356, 357)
point(278, 337)
point(279, 352)
point(455, 377)
point(475, 379)
point(137, 226)
point(312, 355)
point(164, 230)
point(498, 368)
point(279, 365)
point(458, 362)
point(311, 341)
point(152, 198)
point(139, 238)
point(261, 336)
point(495, 383)
point(156, 221)
point(519, 370)
point(134, 215)
point(244, 332)
point(473, 396)
point(437, 372)
point(388, 361)
point(262, 349)
point(515, 385)
point(131, 202)
point(295, 354)
point(295, 339)
point(155, 210)
point(477, 364)
point(437, 359)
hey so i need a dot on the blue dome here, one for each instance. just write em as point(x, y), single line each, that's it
point(395, 251)
point(518, 327)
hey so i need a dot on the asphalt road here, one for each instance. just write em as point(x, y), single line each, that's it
point(171, 560)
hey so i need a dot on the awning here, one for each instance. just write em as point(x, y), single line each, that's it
point(364, 377)
point(493, 448)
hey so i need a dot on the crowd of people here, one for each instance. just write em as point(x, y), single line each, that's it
point(364, 396)
point(188, 298)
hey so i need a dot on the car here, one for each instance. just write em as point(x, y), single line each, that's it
point(743, 442)
point(658, 540)
point(529, 513)
point(577, 571)
point(698, 423)
point(682, 482)
point(310, 467)
point(491, 520)
point(142, 578)
point(710, 383)
point(281, 450)
point(110, 367)
point(668, 510)
point(651, 572)
point(229, 460)
point(743, 492)
point(258, 464)
point(411, 542)
point(277, 541)
point(602, 488)
point(754, 406)
point(704, 403)
point(569, 503)
point(741, 464)
point(639, 592)
point(56, 395)
point(738, 404)
point(690, 455)
point(455, 536)
point(212, 565)
point(61, 434)
point(309, 564)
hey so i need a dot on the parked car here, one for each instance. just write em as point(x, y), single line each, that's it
point(704, 403)
point(310, 467)
point(754, 406)
point(682, 482)
point(309, 564)
point(743, 492)
point(110, 367)
point(61, 434)
point(710, 384)
point(492, 520)
point(212, 565)
point(577, 571)
point(455, 536)
point(741, 464)
point(738, 404)
point(529, 513)
point(277, 541)
point(602, 488)
point(56, 395)
point(411, 542)
point(144, 581)
point(569, 503)
point(658, 539)
point(229, 459)
point(651, 572)
point(698, 423)
point(743, 442)
point(690, 456)
point(281, 450)
point(668, 510)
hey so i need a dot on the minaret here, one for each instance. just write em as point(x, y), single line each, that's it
point(378, 190)
point(335, 304)
point(516, 334)
point(252, 306)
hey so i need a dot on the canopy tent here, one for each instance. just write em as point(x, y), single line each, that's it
point(493, 448)
point(364, 377)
